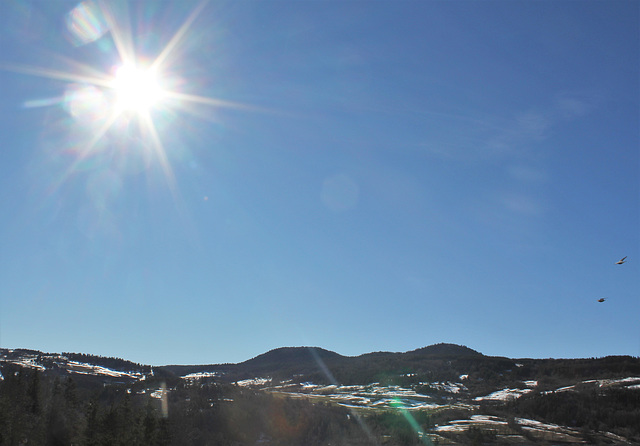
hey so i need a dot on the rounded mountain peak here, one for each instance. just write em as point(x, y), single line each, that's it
point(444, 349)
point(298, 355)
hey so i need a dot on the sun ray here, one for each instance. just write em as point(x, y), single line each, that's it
point(92, 72)
point(120, 34)
point(178, 36)
point(98, 135)
point(85, 151)
point(125, 94)
point(195, 99)
point(158, 148)
point(399, 405)
point(46, 102)
point(56, 74)
point(325, 370)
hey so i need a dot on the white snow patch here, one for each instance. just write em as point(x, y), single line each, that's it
point(426, 406)
point(487, 419)
point(253, 382)
point(361, 396)
point(89, 369)
point(447, 386)
point(200, 375)
point(351, 406)
point(536, 424)
point(158, 393)
point(464, 377)
point(608, 382)
point(532, 383)
point(561, 432)
point(631, 379)
point(463, 425)
point(29, 362)
point(614, 436)
point(503, 395)
point(602, 383)
point(348, 388)
point(451, 428)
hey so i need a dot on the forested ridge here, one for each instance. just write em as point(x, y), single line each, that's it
point(35, 409)
point(51, 405)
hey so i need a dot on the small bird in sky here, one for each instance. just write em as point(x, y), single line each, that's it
point(602, 299)
point(621, 261)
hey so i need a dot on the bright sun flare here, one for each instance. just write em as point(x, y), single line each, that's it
point(98, 100)
point(136, 89)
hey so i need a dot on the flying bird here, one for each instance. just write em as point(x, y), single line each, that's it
point(621, 261)
point(602, 299)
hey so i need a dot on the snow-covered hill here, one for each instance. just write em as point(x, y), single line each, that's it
point(62, 364)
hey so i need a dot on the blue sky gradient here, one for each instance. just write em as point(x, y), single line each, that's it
point(380, 176)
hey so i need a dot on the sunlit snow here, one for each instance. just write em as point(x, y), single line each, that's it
point(157, 393)
point(30, 362)
point(463, 425)
point(89, 369)
point(503, 395)
point(200, 375)
point(609, 382)
point(368, 396)
point(253, 382)
point(559, 433)
point(447, 386)
point(628, 383)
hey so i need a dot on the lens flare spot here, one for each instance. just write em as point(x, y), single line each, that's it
point(85, 23)
point(85, 102)
point(164, 400)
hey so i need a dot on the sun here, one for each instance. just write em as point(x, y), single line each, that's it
point(104, 103)
point(136, 89)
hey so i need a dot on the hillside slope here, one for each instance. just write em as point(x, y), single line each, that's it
point(446, 393)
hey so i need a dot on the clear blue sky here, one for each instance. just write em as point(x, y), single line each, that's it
point(358, 175)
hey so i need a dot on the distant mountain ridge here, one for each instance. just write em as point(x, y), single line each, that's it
point(444, 349)
point(301, 360)
point(285, 355)
point(464, 393)
point(434, 363)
